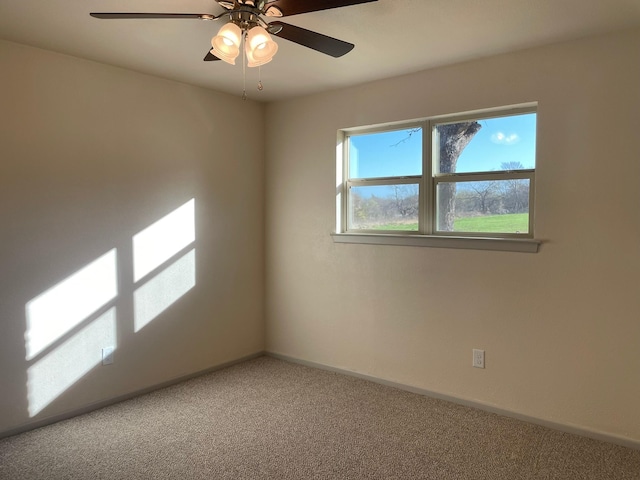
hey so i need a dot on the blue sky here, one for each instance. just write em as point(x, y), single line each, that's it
point(505, 139)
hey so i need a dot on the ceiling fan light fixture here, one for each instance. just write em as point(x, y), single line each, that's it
point(260, 47)
point(252, 62)
point(226, 44)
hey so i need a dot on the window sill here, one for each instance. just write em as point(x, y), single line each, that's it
point(471, 243)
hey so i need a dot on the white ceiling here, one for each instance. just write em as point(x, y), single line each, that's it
point(392, 37)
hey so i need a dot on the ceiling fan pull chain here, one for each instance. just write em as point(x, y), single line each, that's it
point(260, 87)
point(244, 66)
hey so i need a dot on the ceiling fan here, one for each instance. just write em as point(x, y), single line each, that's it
point(244, 22)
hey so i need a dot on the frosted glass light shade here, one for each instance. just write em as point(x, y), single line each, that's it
point(252, 62)
point(226, 44)
point(260, 47)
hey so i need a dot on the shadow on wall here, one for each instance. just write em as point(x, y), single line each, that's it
point(72, 325)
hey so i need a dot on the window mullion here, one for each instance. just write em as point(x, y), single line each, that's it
point(483, 176)
point(374, 182)
point(427, 180)
point(344, 186)
point(532, 208)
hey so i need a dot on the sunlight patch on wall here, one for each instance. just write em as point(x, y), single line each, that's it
point(58, 370)
point(163, 239)
point(163, 290)
point(61, 308)
point(68, 325)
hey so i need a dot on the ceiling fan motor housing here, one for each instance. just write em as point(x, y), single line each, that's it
point(245, 19)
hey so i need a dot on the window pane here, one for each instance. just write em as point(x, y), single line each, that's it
point(386, 154)
point(493, 144)
point(497, 206)
point(384, 207)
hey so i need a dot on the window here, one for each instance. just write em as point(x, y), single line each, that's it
point(469, 177)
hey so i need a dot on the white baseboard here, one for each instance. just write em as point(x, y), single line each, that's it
point(563, 427)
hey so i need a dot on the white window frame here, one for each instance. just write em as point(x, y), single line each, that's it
point(427, 234)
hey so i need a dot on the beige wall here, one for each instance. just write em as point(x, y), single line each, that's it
point(561, 328)
point(90, 155)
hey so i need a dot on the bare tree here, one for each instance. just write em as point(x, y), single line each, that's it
point(516, 194)
point(485, 193)
point(453, 138)
point(405, 199)
point(510, 166)
point(410, 133)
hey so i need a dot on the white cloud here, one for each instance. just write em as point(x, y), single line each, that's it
point(503, 139)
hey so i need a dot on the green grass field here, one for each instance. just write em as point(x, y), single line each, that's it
point(507, 223)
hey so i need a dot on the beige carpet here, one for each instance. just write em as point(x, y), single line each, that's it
point(269, 419)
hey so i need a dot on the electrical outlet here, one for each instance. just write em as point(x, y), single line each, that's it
point(478, 358)
point(107, 355)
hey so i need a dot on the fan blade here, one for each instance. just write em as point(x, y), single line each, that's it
point(210, 57)
point(321, 43)
point(295, 7)
point(200, 16)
